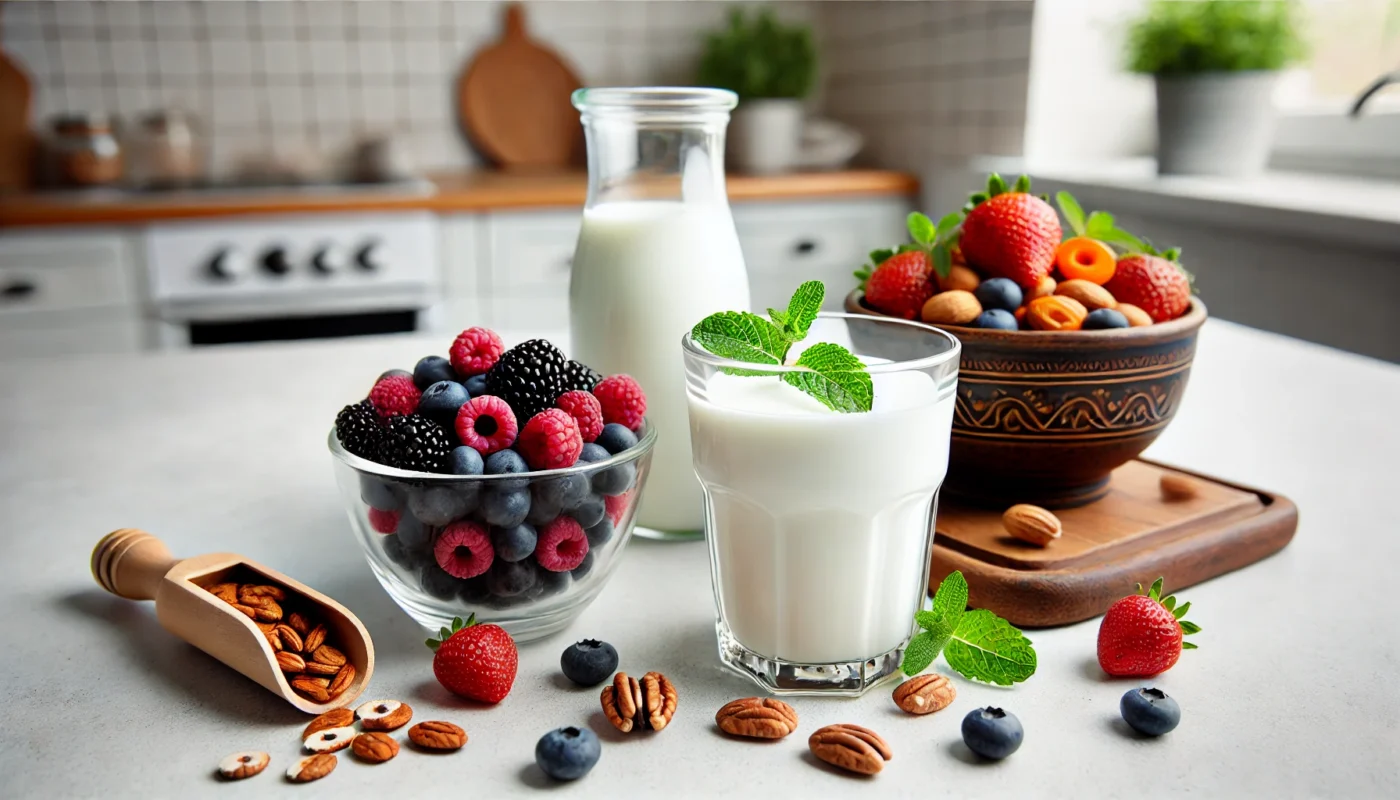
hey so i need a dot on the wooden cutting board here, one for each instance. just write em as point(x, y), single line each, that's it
point(513, 101)
point(16, 139)
point(1130, 536)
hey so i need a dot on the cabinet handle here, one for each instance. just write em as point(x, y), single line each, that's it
point(19, 290)
point(805, 247)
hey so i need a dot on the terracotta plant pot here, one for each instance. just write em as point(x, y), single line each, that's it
point(1044, 417)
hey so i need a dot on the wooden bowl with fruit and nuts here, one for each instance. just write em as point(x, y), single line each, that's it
point(1076, 345)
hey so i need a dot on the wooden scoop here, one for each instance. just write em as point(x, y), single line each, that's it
point(134, 564)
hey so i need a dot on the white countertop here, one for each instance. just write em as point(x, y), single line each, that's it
point(1293, 692)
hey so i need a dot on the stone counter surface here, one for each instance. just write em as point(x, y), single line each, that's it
point(1291, 694)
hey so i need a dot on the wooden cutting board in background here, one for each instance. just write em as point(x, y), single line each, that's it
point(513, 101)
point(16, 140)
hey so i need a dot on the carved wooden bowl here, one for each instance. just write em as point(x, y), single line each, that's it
point(1044, 417)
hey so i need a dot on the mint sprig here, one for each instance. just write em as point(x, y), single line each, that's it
point(831, 373)
point(978, 644)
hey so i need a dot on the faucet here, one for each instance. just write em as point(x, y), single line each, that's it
point(1376, 85)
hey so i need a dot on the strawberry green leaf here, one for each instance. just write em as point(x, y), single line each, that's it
point(742, 336)
point(987, 648)
point(433, 644)
point(921, 228)
point(878, 257)
point(1188, 646)
point(1156, 592)
point(948, 224)
point(1099, 224)
point(1023, 185)
point(1169, 603)
point(1074, 213)
point(1172, 254)
point(942, 259)
point(834, 376)
point(1189, 628)
point(920, 652)
point(995, 185)
point(1125, 240)
point(1181, 611)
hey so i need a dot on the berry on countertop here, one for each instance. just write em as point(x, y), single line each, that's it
point(992, 733)
point(514, 544)
point(505, 508)
point(431, 369)
point(550, 440)
point(623, 401)
point(475, 661)
point(529, 376)
point(487, 424)
point(464, 460)
point(463, 550)
point(997, 319)
point(580, 377)
point(475, 351)
point(617, 506)
point(562, 545)
point(1153, 284)
point(615, 438)
point(589, 662)
point(395, 396)
point(1141, 634)
point(1002, 293)
point(592, 452)
point(900, 285)
point(586, 411)
point(383, 521)
point(1103, 319)
point(1150, 711)
point(358, 429)
point(441, 402)
point(1011, 234)
point(475, 385)
point(589, 511)
point(415, 443)
point(568, 753)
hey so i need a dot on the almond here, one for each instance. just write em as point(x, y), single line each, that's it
point(314, 639)
point(1177, 487)
point(1136, 316)
point(959, 277)
point(1031, 524)
point(1045, 288)
point(953, 307)
point(291, 662)
point(312, 688)
point(1091, 295)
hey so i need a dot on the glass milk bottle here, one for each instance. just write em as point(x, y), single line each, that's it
point(656, 254)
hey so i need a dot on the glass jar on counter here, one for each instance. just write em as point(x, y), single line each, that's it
point(165, 151)
point(84, 151)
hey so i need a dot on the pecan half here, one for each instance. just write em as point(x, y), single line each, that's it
point(325, 654)
point(269, 611)
point(384, 715)
point(335, 718)
point(247, 611)
point(312, 768)
point(925, 694)
point(649, 703)
point(341, 681)
point(317, 668)
point(851, 748)
point(621, 702)
point(299, 624)
point(374, 747)
point(314, 639)
point(755, 718)
point(290, 662)
point(251, 590)
point(291, 640)
point(437, 735)
point(227, 592)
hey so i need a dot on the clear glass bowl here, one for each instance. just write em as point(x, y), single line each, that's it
point(523, 597)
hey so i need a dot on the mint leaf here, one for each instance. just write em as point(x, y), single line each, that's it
point(778, 317)
point(1074, 213)
point(741, 336)
point(921, 228)
point(987, 648)
point(802, 310)
point(949, 604)
point(834, 376)
point(920, 652)
point(950, 601)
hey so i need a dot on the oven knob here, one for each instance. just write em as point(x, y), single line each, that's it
point(276, 262)
point(369, 258)
point(328, 259)
point(227, 265)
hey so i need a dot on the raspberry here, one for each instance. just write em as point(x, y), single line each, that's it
point(550, 440)
point(562, 545)
point(586, 411)
point(463, 550)
point(486, 424)
point(475, 351)
point(617, 505)
point(383, 521)
point(622, 400)
point(395, 396)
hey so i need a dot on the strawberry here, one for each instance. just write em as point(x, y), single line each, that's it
point(1010, 233)
point(475, 661)
point(1141, 634)
point(1154, 284)
point(900, 284)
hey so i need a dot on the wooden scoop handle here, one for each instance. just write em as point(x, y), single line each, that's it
point(130, 563)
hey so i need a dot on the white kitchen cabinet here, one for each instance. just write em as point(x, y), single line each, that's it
point(462, 257)
point(531, 252)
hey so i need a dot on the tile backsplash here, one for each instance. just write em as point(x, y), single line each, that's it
point(926, 82)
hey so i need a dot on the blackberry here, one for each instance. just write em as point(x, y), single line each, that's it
point(358, 429)
point(580, 376)
point(529, 376)
point(414, 442)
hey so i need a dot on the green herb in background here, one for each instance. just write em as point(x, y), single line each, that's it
point(977, 644)
point(1186, 38)
point(759, 57)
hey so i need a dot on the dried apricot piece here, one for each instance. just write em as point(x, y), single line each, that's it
point(1085, 259)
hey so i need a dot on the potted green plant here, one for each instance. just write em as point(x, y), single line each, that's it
point(1215, 64)
point(771, 66)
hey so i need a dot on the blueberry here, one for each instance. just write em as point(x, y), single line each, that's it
point(998, 320)
point(564, 492)
point(592, 451)
point(992, 733)
point(1104, 318)
point(1150, 711)
point(474, 591)
point(568, 753)
point(415, 535)
point(509, 579)
point(554, 582)
point(438, 583)
point(393, 373)
point(589, 662)
point(432, 369)
point(543, 509)
point(505, 508)
point(439, 505)
point(475, 385)
point(585, 566)
point(615, 438)
point(615, 480)
point(513, 544)
point(380, 494)
point(441, 401)
point(402, 554)
point(1002, 293)
point(591, 511)
point(464, 460)
point(507, 462)
point(600, 534)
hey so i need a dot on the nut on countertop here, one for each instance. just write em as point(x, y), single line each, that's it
point(1031, 524)
point(757, 718)
point(925, 694)
point(851, 748)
